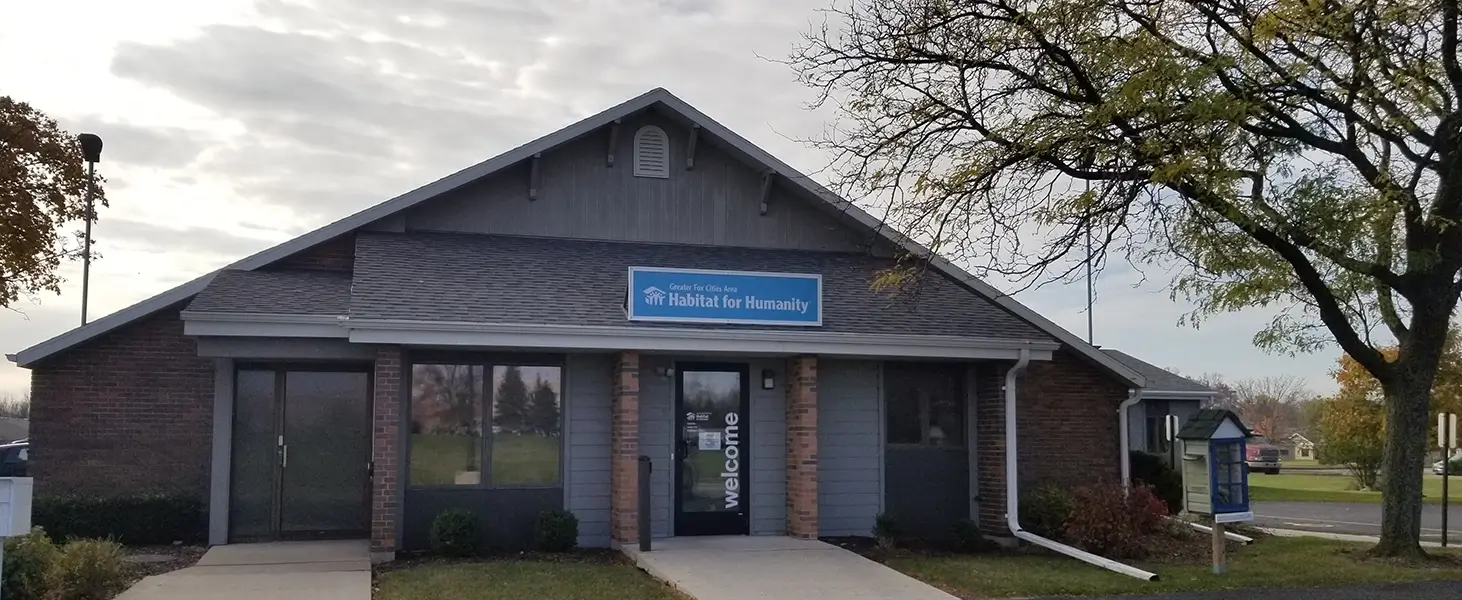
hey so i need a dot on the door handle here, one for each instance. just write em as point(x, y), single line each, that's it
point(284, 462)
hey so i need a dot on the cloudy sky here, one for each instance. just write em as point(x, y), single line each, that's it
point(232, 125)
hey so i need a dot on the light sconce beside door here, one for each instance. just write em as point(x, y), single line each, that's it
point(768, 381)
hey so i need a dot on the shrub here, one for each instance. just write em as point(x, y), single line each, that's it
point(28, 558)
point(87, 570)
point(885, 531)
point(968, 539)
point(1044, 511)
point(1106, 521)
point(139, 520)
point(1152, 469)
point(455, 533)
point(558, 531)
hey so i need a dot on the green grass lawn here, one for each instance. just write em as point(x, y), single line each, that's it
point(1335, 488)
point(516, 580)
point(1270, 562)
point(516, 459)
point(1297, 462)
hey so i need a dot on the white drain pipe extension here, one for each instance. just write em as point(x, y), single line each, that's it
point(1134, 397)
point(1012, 488)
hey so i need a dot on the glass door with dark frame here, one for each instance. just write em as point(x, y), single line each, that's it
point(301, 452)
point(711, 495)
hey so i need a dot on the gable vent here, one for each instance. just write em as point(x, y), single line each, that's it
point(652, 152)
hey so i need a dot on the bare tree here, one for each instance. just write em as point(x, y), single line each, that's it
point(13, 406)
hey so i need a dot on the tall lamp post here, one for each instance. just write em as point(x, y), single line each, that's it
point(91, 149)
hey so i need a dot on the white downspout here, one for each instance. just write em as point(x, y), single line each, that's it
point(1134, 396)
point(1012, 487)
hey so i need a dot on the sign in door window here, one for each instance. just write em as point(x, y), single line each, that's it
point(712, 433)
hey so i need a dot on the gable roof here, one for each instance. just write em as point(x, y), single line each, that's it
point(657, 96)
point(1159, 380)
point(1202, 425)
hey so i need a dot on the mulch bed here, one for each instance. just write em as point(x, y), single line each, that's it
point(582, 555)
point(137, 561)
point(1180, 545)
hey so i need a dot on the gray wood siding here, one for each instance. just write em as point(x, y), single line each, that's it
point(657, 400)
point(589, 388)
point(849, 447)
point(716, 203)
point(768, 451)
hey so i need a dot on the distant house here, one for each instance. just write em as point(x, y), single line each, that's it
point(1302, 447)
point(13, 429)
point(1166, 393)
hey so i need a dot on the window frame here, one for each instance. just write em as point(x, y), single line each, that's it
point(1239, 466)
point(959, 373)
point(488, 361)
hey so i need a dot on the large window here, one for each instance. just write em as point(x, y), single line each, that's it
point(465, 416)
point(925, 404)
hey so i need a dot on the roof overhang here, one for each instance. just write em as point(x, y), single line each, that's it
point(262, 325)
point(1177, 395)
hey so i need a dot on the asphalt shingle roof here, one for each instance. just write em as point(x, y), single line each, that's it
point(275, 292)
point(1158, 378)
point(505, 279)
point(1201, 426)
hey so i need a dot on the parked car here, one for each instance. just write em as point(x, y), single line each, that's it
point(15, 459)
point(1454, 469)
point(1263, 460)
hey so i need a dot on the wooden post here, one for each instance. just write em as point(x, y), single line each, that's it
point(1218, 549)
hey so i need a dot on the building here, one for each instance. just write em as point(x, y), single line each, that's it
point(511, 338)
point(1166, 393)
point(1303, 448)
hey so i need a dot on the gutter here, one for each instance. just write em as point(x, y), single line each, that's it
point(1134, 397)
point(1012, 488)
point(10, 357)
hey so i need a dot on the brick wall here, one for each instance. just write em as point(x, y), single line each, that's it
point(1066, 412)
point(802, 447)
point(128, 412)
point(624, 449)
point(385, 450)
point(337, 254)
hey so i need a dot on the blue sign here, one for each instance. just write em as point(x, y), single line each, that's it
point(741, 297)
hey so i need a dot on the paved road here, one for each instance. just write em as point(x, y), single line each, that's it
point(1352, 517)
point(1433, 590)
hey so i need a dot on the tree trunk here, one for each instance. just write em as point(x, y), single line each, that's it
point(1407, 399)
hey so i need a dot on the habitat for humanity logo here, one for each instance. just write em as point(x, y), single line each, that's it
point(654, 296)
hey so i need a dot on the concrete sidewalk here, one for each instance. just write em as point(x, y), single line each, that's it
point(335, 570)
point(1425, 590)
point(774, 568)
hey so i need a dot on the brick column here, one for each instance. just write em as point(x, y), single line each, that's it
point(990, 433)
point(802, 447)
point(624, 440)
point(385, 452)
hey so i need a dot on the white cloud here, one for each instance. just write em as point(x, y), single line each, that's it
point(234, 124)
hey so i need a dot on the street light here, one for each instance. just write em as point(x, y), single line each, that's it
point(91, 150)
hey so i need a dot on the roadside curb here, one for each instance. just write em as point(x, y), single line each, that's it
point(1342, 537)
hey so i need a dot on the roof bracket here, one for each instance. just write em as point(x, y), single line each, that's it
point(695, 134)
point(534, 176)
point(766, 190)
point(613, 142)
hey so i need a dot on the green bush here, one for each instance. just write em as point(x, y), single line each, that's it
point(455, 533)
point(558, 531)
point(137, 520)
point(1109, 521)
point(28, 560)
point(87, 570)
point(1152, 469)
point(885, 530)
point(968, 539)
point(1044, 511)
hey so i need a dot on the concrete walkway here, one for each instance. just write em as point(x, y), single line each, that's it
point(335, 570)
point(774, 568)
point(1422, 590)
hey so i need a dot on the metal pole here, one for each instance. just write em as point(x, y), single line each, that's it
point(1090, 328)
point(1446, 472)
point(644, 493)
point(86, 250)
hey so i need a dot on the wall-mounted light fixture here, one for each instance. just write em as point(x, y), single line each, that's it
point(768, 380)
point(665, 371)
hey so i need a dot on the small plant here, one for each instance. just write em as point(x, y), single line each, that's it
point(1106, 521)
point(455, 532)
point(28, 559)
point(885, 531)
point(1152, 469)
point(558, 531)
point(87, 570)
point(1044, 511)
point(968, 539)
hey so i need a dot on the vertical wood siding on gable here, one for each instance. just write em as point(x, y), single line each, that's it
point(716, 203)
point(850, 447)
point(589, 388)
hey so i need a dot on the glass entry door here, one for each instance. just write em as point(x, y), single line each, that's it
point(712, 451)
point(301, 454)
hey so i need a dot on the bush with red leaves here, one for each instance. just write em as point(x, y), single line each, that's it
point(1105, 521)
